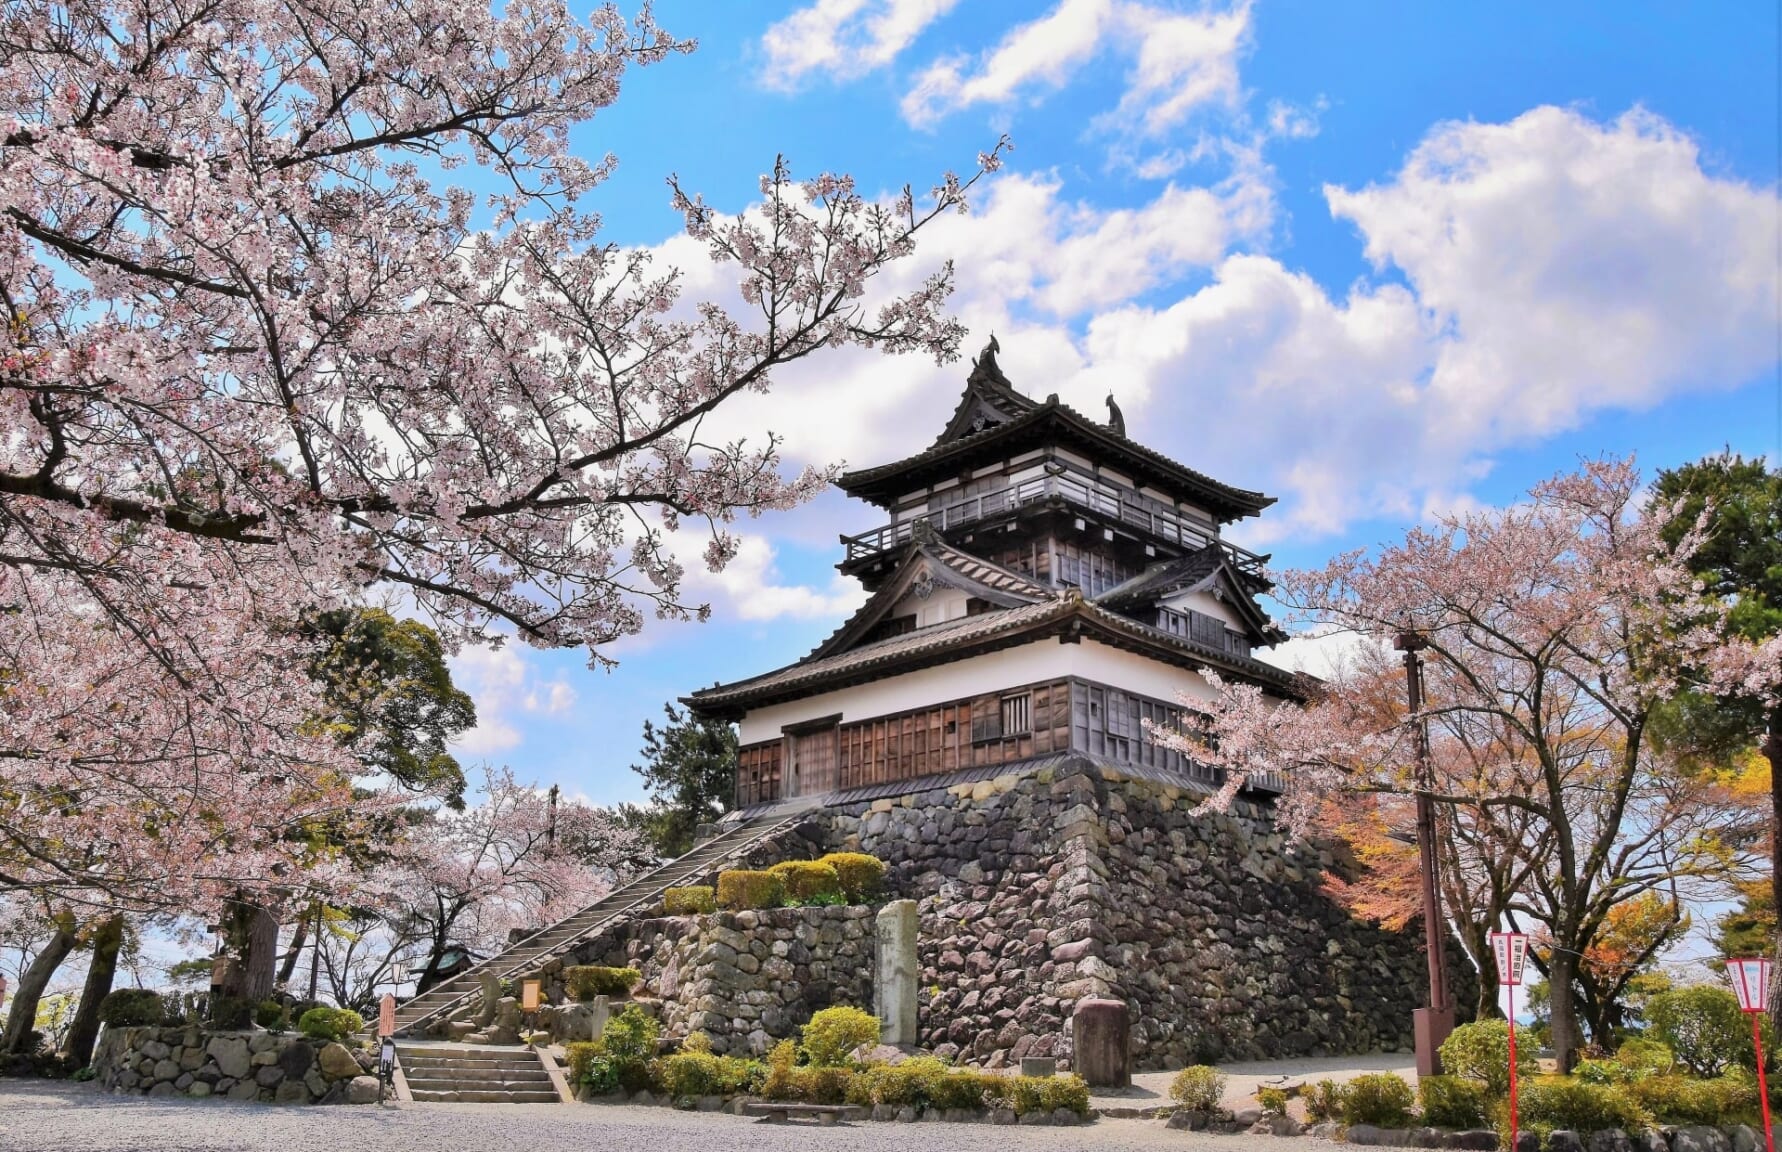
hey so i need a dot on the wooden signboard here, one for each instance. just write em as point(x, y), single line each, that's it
point(529, 995)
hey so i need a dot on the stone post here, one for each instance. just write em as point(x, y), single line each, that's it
point(1102, 1041)
point(894, 983)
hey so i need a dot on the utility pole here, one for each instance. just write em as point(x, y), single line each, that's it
point(1430, 1024)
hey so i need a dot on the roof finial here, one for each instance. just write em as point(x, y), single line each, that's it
point(1116, 421)
point(985, 368)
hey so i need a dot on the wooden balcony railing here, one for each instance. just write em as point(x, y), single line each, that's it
point(1095, 496)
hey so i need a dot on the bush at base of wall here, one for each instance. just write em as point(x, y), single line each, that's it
point(740, 890)
point(586, 981)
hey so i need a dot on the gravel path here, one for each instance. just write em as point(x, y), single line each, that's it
point(60, 1117)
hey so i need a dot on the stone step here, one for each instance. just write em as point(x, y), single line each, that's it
point(452, 1084)
point(472, 1067)
point(477, 1096)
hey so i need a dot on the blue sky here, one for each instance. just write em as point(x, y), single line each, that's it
point(1381, 260)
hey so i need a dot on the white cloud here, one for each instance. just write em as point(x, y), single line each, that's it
point(844, 38)
point(505, 685)
point(1182, 61)
point(751, 586)
point(1321, 653)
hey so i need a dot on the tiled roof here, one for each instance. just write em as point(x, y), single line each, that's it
point(1164, 578)
point(1239, 499)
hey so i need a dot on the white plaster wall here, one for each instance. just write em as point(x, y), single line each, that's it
point(1030, 663)
point(1205, 603)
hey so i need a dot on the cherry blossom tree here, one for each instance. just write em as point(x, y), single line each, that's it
point(262, 354)
point(1553, 630)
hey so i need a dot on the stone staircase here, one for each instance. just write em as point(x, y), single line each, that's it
point(439, 1073)
point(447, 999)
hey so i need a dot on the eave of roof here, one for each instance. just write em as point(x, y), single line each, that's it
point(886, 481)
point(1068, 615)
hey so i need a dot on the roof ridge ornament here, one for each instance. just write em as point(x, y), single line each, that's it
point(1116, 420)
point(984, 368)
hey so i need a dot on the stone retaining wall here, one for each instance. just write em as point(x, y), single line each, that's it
point(1039, 889)
point(746, 979)
point(189, 1060)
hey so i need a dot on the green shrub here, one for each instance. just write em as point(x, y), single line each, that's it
point(1382, 1099)
point(273, 1015)
point(740, 890)
point(1481, 1051)
point(1199, 1088)
point(703, 1074)
point(834, 1033)
point(229, 1013)
point(781, 1082)
point(1703, 1028)
point(862, 877)
point(330, 1024)
point(1272, 1101)
point(1324, 1100)
point(1605, 1072)
point(807, 880)
point(129, 1007)
point(1646, 1057)
point(1024, 1094)
point(698, 900)
point(1681, 1100)
point(1451, 1102)
point(586, 981)
point(629, 1044)
point(1549, 1103)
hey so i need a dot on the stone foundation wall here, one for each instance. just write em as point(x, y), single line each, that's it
point(746, 979)
point(191, 1061)
point(1036, 890)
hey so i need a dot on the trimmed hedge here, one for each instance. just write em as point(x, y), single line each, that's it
point(1382, 1099)
point(699, 1073)
point(330, 1023)
point(698, 900)
point(1481, 1051)
point(862, 876)
point(1451, 1102)
point(623, 1057)
point(740, 890)
point(1199, 1088)
point(229, 1013)
point(1681, 1100)
point(834, 1033)
point(1704, 1029)
point(129, 1007)
point(1550, 1103)
point(586, 981)
point(808, 879)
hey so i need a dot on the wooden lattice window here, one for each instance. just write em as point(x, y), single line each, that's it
point(1015, 715)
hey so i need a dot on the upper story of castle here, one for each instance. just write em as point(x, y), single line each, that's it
point(1039, 488)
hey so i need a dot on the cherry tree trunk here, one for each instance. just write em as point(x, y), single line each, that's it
point(299, 936)
point(108, 941)
point(253, 935)
point(1568, 1038)
point(23, 1015)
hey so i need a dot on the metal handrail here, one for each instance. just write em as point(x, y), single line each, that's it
point(1099, 497)
point(648, 899)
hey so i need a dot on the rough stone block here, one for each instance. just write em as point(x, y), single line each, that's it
point(230, 1053)
point(362, 1090)
point(896, 971)
point(336, 1062)
point(1103, 1043)
point(1039, 1066)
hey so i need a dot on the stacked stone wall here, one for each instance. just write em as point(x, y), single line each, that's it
point(192, 1061)
point(1036, 890)
point(746, 979)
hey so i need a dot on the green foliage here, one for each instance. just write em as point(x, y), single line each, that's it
point(391, 696)
point(1024, 1094)
point(781, 1082)
point(128, 1007)
point(690, 774)
point(862, 876)
point(230, 1013)
point(1324, 1100)
point(741, 890)
point(1382, 1099)
point(807, 880)
point(921, 1082)
point(694, 1071)
point(273, 1015)
point(1550, 1103)
point(629, 1043)
point(588, 1066)
point(1481, 1051)
point(1645, 1056)
point(699, 900)
point(586, 981)
point(1605, 1072)
point(1272, 1101)
point(1199, 1088)
point(1451, 1102)
point(325, 1024)
point(834, 1033)
point(1703, 1027)
point(1728, 1099)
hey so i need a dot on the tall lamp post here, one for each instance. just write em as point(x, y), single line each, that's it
point(1430, 1024)
point(1751, 984)
point(1511, 952)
